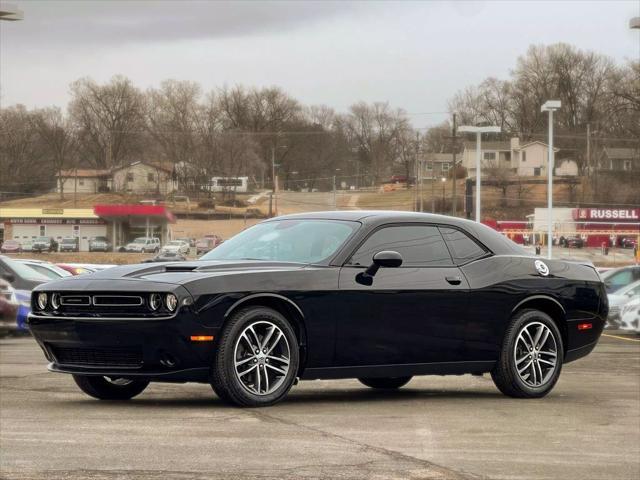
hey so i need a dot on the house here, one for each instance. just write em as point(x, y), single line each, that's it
point(436, 165)
point(144, 177)
point(84, 180)
point(525, 160)
point(619, 159)
point(136, 177)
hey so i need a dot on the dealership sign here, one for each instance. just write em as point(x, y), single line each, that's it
point(626, 214)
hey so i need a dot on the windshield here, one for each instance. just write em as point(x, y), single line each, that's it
point(176, 243)
point(303, 241)
point(42, 239)
point(140, 240)
point(100, 239)
point(68, 240)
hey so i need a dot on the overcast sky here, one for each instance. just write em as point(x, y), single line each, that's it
point(415, 55)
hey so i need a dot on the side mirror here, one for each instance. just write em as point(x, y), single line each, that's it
point(386, 259)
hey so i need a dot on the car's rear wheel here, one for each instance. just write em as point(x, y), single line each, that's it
point(389, 383)
point(110, 388)
point(257, 358)
point(531, 357)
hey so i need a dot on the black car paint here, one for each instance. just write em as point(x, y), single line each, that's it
point(410, 321)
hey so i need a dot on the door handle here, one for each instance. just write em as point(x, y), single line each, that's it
point(454, 280)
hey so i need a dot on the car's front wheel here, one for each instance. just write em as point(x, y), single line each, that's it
point(390, 383)
point(107, 388)
point(531, 357)
point(257, 358)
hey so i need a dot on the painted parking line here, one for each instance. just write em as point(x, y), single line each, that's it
point(621, 338)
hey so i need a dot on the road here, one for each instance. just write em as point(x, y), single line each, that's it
point(435, 428)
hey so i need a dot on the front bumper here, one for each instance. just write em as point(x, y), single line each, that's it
point(154, 349)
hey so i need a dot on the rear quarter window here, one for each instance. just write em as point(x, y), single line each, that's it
point(463, 249)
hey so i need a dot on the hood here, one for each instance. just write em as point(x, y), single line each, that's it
point(175, 273)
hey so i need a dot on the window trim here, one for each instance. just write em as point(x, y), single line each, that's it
point(399, 224)
point(488, 251)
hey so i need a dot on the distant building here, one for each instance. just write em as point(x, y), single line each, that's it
point(143, 177)
point(437, 165)
point(84, 180)
point(527, 160)
point(229, 184)
point(619, 159)
point(137, 177)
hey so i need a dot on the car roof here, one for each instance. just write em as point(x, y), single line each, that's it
point(496, 242)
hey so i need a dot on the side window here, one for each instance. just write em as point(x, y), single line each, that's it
point(462, 248)
point(420, 246)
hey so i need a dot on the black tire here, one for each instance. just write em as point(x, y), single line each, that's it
point(390, 383)
point(225, 381)
point(103, 389)
point(505, 373)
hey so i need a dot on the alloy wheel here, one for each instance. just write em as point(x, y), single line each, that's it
point(121, 382)
point(261, 358)
point(535, 354)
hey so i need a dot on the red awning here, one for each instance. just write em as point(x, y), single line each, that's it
point(159, 212)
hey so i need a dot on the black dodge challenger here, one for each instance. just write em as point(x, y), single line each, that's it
point(377, 296)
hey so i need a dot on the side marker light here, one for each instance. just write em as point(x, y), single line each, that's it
point(202, 338)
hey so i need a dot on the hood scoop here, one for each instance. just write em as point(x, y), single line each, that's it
point(180, 268)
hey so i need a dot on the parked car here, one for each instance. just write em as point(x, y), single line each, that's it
point(100, 244)
point(44, 244)
point(27, 245)
point(629, 242)
point(75, 269)
point(20, 276)
point(70, 244)
point(11, 246)
point(92, 267)
point(190, 241)
point(630, 316)
point(619, 299)
point(8, 306)
point(23, 279)
point(207, 244)
point(48, 269)
point(378, 296)
point(176, 246)
point(144, 245)
point(574, 242)
point(616, 278)
point(166, 257)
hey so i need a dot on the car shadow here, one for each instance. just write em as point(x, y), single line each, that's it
point(311, 398)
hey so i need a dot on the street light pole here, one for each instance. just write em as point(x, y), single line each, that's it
point(479, 131)
point(550, 106)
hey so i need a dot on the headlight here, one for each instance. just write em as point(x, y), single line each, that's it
point(55, 301)
point(155, 300)
point(41, 300)
point(171, 302)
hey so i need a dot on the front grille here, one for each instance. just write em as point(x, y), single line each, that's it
point(117, 300)
point(75, 300)
point(98, 357)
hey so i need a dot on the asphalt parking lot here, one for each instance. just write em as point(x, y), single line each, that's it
point(434, 428)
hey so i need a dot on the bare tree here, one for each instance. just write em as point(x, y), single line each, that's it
point(109, 119)
point(23, 167)
point(59, 139)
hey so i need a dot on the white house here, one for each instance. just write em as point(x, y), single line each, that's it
point(83, 181)
point(525, 160)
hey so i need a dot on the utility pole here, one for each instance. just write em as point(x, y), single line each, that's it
point(455, 145)
point(274, 195)
point(335, 199)
point(415, 169)
point(589, 149)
